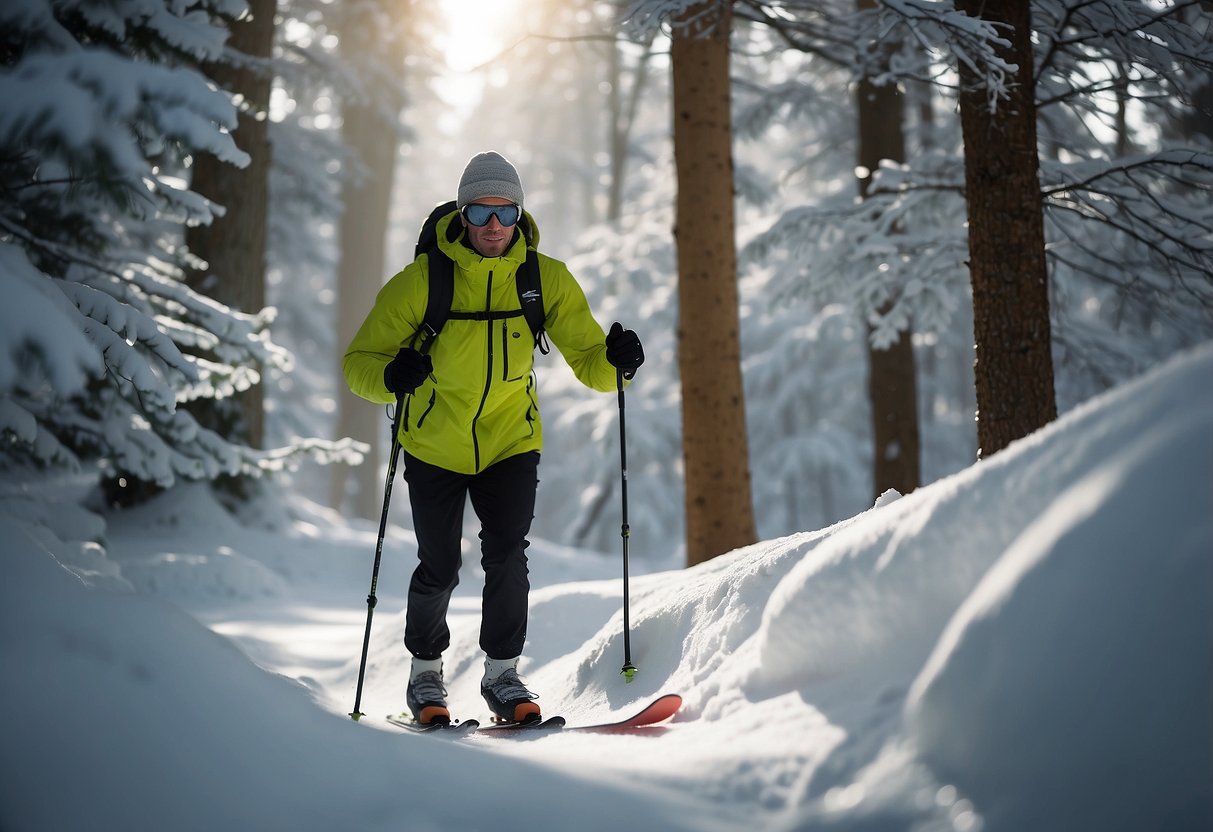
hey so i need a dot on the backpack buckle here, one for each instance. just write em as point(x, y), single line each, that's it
point(428, 334)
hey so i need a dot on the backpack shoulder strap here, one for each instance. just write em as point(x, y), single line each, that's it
point(530, 298)
point(440, 273)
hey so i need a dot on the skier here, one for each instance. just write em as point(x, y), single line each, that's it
point(471, 423)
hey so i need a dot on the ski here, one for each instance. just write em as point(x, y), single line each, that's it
point(446, 729)
point(552, 723)
point(659, 710)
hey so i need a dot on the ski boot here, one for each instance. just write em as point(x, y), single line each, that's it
point(509, 699)
point(426, 698)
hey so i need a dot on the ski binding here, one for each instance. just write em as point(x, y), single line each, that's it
point(447, 729)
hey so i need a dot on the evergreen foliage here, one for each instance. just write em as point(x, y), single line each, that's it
point(1128, 219)
point(104, 114)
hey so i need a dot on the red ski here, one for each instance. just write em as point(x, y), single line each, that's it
point(659, 710)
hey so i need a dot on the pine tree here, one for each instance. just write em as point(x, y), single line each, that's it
point(103, 111)
point(1011, 326)
point(719, 507)
point(371, 42)
point(233, 246)
point(892, 386)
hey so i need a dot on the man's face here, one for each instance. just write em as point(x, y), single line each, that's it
point(493, 239)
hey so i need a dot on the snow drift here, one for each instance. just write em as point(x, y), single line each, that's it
point(1024, 645)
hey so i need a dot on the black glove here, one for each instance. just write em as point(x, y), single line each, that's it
point(406, 371)
point(623, 349)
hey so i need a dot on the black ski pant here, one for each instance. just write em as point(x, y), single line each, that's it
point(503, 497)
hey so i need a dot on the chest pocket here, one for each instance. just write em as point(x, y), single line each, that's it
point(517, 349)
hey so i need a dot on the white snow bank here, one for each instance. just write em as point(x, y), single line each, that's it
point(118, 712)
point(886, 585)
point(1025, 645)
point(1084, 654)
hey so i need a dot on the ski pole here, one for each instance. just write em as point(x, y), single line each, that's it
point(629, 670)
point(371, 600)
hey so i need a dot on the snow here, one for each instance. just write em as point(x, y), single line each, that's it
point(29, 317)
point(1023, 645)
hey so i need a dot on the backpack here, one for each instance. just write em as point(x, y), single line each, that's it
point(442, 283)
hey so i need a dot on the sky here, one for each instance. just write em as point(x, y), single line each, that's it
point(474, 30)
point(1023, 645)
point(474, 35)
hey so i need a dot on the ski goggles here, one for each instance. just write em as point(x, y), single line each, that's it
point(479, 215)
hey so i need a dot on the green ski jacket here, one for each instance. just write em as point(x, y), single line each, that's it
point(480, 404)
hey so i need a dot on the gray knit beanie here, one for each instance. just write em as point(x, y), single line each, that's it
point(489, 174)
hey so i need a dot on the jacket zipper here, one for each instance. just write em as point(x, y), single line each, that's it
point(505, 351)
point(488, 374)
point(533, 408)
point(429, 407)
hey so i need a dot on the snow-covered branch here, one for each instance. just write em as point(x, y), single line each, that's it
point(100, 338)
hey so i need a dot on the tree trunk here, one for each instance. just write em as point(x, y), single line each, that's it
point(1197, 120)
point(893, 391)
point(1014, 367)
point(623, 118)
point(361, 270)
point(234, 244)
point(719, 506)
point(892, 386)
point(616, 143)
